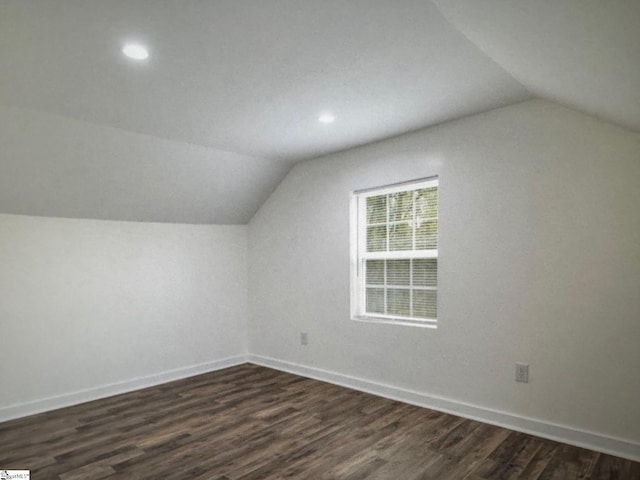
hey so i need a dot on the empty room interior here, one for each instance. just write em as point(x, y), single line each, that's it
point(330, 239)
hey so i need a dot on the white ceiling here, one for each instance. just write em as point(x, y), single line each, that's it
point(55, 166)
point(247, 80)
point(582, 53)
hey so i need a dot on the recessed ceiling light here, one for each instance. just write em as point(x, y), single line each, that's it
point(136, 51)
point(326, 118)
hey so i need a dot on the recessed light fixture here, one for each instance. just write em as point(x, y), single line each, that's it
point(135, 51)
point(327, 118)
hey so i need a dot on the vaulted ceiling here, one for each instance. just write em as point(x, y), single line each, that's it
point(230, 95)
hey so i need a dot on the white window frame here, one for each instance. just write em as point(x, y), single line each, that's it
point(359, 255)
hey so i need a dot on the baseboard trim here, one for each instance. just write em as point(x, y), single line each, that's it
point(532, 426)
point(60, 401)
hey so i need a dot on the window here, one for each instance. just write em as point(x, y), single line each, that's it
point(394, 249)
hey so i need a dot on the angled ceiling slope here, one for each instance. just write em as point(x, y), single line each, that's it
point(59, 167)
point(229, 98)
point(251, 76)
point(581, 53)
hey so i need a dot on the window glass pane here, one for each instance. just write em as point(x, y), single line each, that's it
point(398, 272)
point(398, 227)
point(425, 303)
point(425, 272)
point(377, 239)
point(427, 203)
point(398, 301)
point(427, 236)
point(401, 206)
point(375, 300)
point(375, 272)
point(377, 209)
point(400, 237)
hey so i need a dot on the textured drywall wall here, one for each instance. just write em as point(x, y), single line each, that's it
point(539, 263)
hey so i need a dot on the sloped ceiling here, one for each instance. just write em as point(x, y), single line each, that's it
point(582, 53)
point(229, 98)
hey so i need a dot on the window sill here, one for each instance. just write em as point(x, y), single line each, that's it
point(397, 321)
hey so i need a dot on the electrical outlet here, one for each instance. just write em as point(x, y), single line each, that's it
point(304, 338)
point(522, 372)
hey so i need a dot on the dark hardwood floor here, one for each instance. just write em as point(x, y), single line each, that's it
point(250, 423)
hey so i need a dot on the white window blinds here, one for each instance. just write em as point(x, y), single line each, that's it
point(396, 253)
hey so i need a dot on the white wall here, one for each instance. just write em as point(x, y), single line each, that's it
point(539, 262)
point(85, 303)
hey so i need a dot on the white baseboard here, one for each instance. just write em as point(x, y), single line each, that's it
point(540, 428)
point(60, 401)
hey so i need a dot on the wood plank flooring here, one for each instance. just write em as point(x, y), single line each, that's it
point(254, 423)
